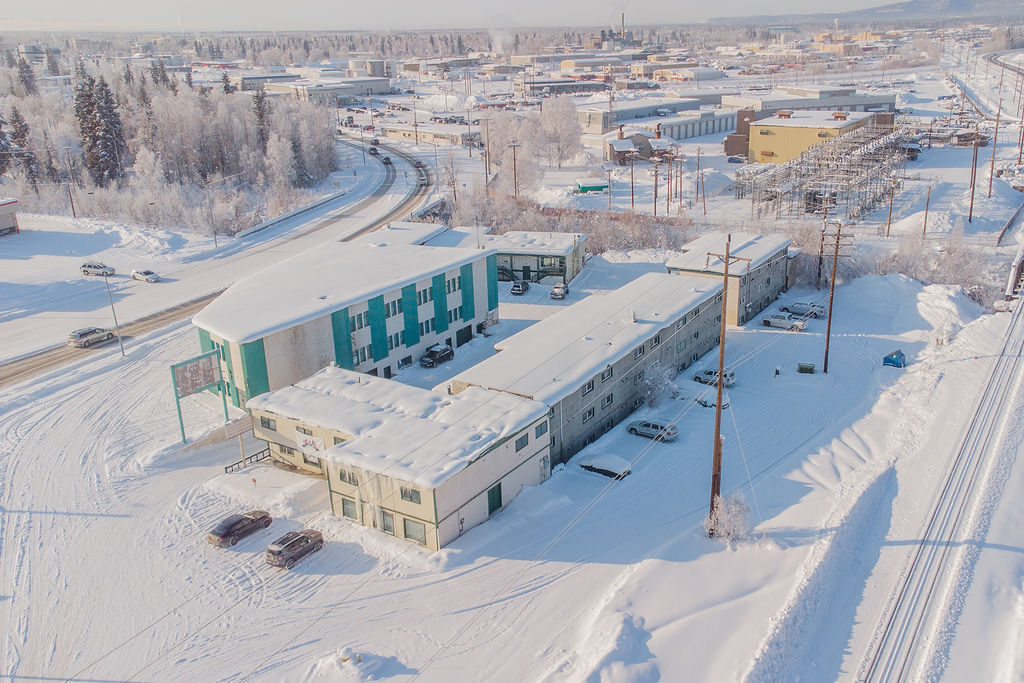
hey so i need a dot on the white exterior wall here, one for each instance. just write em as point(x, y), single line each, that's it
point(298, 352)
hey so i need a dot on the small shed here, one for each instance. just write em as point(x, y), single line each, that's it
point(591, 185)
point(8, 216)
point(896, 359)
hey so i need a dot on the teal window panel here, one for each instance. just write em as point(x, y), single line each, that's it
point(205, 343)
point(254, 367)
point(466, 284)
point(440, 303)
point(492, 282)
point(341, 329)
point(410, 315)
point(378, 328)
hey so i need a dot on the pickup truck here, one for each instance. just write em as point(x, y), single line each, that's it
point(784, 321)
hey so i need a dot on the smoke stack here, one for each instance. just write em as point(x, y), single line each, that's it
point(620, 131)
point(623, 35)
point(657, 132)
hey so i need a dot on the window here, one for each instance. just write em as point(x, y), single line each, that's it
point(655, 341)
point(304, 430)
point(541, 430)
point(411, 495)
point(607, 400)
point(338, 440)
point(387, 522)
point(348, 476)
point(696, 333)
point(680, 346)
point(287, 450)
point(415, 531)
point(638, 377)
point(360, 320)
point(587, 388)
point(638, 352)
point(607, 374)
point(310, 459)
point(522, 441)
point(348, 508)
point(764, 132)
point(588, 415)
point(494, 499)
point(268, 423)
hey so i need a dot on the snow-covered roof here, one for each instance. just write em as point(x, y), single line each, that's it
point(404, 232)
point(511, 242)
point(320, 281)
point(804, 118)
point(551, 358)
point(411, 434)
point(660, 144)
point(622, 145)
point(757, 248)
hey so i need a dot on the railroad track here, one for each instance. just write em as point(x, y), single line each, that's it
point(902, 646)
point(37, 363)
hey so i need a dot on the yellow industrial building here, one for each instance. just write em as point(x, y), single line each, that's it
point(789, 134)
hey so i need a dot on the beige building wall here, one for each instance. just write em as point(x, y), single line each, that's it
point(778, 144)
point(750, 292)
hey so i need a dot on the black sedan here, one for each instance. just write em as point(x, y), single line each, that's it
point(436, 354)
point(293, 546)
point(236, 527)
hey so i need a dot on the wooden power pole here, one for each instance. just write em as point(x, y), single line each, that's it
point(838, 234)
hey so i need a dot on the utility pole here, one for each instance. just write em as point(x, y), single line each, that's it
point(117, 328)
point(995, 137)
point(892, 196)
point(974, 173)
point(609, 189)
point(927, 201)
point(832, 288)
point(716, 461)
point(487, 152)
point(514, 145)
point(655, 165)
point(697, 178)
point(71, 177)
point(632, 195)
point(821, 257)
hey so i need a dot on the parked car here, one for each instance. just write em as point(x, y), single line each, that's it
point(386, 160)
point(293, 546)
point(560, 290)
point(807, 309)
point(520, 287)
point(88, 336)
point(653, 429)
point(374, 142)
point(424, 182)
point(374, 152)
point(417, 163)
point(436, 354)
point(607, 464)
point(96, 268)
point(784, 321)
point(145, 275)
point(711, 377)
point(736, 159)
point(231, 529)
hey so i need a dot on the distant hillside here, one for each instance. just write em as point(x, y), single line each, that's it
point(897, 12)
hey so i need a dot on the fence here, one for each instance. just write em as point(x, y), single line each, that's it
point(248, 460)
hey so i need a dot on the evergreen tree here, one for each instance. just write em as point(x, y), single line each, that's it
point(5, 147)
point(27, 77)
point(302, 177)
point(85, 109)
point(21, 142)
point(188, 77)
point(9, 59)
point(225, 83)
point(49, 164)
point(127, 75)
point(261, 107)
point(111, 149)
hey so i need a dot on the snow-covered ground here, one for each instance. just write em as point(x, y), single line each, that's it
point(105, 572)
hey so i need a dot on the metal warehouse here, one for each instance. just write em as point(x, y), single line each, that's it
point(587, 363)
point(755, 280)
point(413, 463)
point(366, 307)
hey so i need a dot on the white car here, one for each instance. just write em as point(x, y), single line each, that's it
point(96, 268)
point(807, 309)
point(89, 335)
point(710, 377)
point(145, 275)
point(784, 321)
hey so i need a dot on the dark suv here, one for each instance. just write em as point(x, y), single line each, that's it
point(436, 354)
point(235, 527)
point(293, 546)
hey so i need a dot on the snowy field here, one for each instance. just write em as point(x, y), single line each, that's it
point(105, 572)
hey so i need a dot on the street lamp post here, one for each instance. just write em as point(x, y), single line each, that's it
point(117, 327)
point(514, 145)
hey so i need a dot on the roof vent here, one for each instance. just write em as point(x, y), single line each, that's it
point(633, 314)
point(784, 114)
point(839, 116)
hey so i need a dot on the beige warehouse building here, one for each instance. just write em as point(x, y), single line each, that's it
point(789, 134)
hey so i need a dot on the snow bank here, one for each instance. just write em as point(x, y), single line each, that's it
point(278, 491)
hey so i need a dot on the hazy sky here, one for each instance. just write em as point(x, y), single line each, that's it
point(290, 15)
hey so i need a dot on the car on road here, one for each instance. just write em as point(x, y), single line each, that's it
point(710, 377)
point(96, 268)
point(807, 309)
point(236, 527)
point(436, 354)
point(417, 163)
point(653, 429)
point(520, 287)
point(293, 546)
point(145, 275)
point(374, 152)
point(88, 336)
point(374, 142)
point(608, 464)
point(784, 321)
point(424, 182)
point(560, 290)
point(386, 160)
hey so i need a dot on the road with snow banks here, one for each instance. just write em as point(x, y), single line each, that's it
point(905, 642)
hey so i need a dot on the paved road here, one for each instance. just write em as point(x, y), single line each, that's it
point(29, 366)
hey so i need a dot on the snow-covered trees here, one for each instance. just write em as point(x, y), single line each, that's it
point(22, 149)
point(729, 519)
point(656, 381)
point(5, 146)
point(261, 108)
point(27, 77)
point(560, 130)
